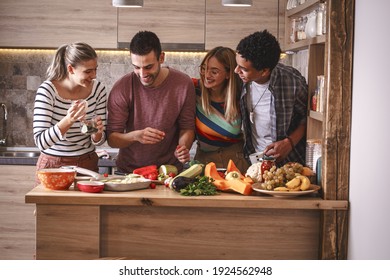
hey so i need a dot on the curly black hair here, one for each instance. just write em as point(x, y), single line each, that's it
point(144, 42)
point(261, 48)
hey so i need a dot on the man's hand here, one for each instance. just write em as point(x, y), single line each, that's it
point(182, 153)
point(149, 136)
point(279, 150)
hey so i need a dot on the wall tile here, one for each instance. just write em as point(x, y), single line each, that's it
point(33, 82)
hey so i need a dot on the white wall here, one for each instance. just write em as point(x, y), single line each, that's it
point(369, 227)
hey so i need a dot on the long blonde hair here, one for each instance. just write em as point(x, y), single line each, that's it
point(72, 54)
point(232, 86)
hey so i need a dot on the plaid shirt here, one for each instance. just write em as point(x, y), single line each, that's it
point(290, 92)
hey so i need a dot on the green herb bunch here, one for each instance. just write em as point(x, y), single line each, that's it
point(203, 185)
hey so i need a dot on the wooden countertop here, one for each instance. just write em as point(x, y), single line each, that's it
point(162, 196)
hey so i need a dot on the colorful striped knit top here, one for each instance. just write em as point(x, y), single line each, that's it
point(214, 131)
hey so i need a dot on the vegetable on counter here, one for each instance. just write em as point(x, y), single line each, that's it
point(254, 172)
point(166, 169)
point(180, 182)
point(202, 185)
point(149, 172)
point(191, 172)
point(234, 180)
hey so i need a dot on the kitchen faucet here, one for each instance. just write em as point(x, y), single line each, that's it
point(3, 128)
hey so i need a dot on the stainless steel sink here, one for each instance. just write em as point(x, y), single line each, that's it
point(19, 154)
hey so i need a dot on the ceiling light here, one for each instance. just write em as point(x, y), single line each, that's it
point(237, 3)
point(128, 3)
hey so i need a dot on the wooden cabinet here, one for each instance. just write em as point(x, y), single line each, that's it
point(199, 25)
point(118, 225)
point(17, 220)
point(226, 26)
point(180, 25)
point(175, 22)
point(51, 23)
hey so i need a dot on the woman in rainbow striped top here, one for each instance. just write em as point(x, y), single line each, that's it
point(218, 121)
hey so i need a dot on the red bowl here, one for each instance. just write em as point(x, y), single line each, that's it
point(90, 186)
point(56, 178)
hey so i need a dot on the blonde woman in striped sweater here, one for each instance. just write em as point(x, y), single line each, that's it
point(70, 94)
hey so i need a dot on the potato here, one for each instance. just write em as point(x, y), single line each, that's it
point(305, 183)
point(293, 183)
point(281, 189)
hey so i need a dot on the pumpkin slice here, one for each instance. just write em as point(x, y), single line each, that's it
point(210, 170)
point(232, 167)
point(222, 184)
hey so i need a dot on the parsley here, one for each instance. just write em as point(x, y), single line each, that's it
point(202, 186)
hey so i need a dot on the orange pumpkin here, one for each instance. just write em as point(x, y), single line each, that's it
point(232, 167)
point(237, 185)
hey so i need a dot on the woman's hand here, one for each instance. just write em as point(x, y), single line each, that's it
point(77, 111)
point(96, 137)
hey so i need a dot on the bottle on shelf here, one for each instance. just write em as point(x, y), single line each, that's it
point(320, 19)
point(294, 31)
point(314, 100)
point(324, 18)
point(301, 34)
point(321, 93)
point(311, 25)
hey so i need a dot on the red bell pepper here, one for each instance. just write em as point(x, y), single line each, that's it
point(145, 170)
point(149, 172)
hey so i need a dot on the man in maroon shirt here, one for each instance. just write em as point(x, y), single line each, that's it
point(151, 111)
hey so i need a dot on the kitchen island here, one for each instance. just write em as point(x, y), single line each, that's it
point(162, 224)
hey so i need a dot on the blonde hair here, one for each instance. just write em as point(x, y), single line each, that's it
point(232, 86)
point(72, 54)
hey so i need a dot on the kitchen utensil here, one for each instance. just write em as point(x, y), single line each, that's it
point(256, 157)
point(88, 126)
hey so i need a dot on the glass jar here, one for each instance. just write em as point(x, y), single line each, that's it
point(311, 25)
point(267, 163)
point(301, 35)
point(294, 31)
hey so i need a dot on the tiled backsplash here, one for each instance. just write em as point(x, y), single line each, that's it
point(22, 71)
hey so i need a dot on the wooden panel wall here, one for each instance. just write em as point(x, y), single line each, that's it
point(50, 23)
point(228, 25)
